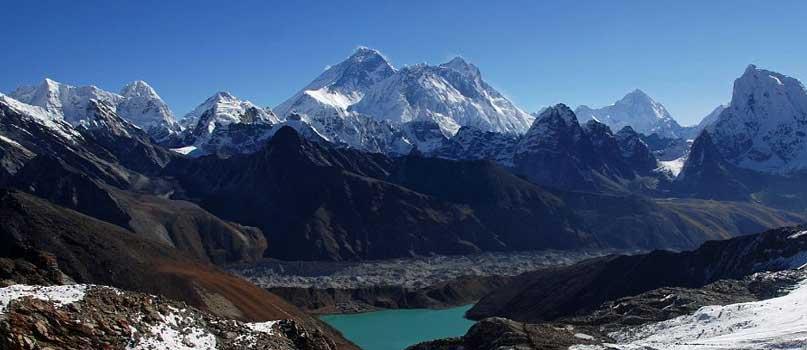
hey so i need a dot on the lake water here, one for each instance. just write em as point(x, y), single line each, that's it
point(397, 329)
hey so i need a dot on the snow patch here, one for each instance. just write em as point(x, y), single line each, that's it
point(797, 234)
point(262, 327)
point(583, 336)
point(673, 166)
point(777, 323)
point(184, 150)
point(59, 295)
point(175, 332)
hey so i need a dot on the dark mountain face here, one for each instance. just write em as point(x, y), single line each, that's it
point(706, 174)
point(314, 202)
point(91, 251)
point(557, 152)
point(665, 148)
point(635, 152)
point(523, 215)
point(533, 296)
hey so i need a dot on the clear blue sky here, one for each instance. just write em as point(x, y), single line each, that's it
point(686, 54)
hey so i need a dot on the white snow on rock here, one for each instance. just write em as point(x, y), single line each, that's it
point(223, 109)
point(185, 150)
point(797, 234)
point(59, 295)
point(778, 323)
point(452, 95)
point(340, 86)
point(42, 117)
point(674, 166)
point(583, 336)
point(262, 327)
point(764, 128)
point(177, 333)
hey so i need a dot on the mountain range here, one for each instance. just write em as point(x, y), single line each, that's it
point(371, 162)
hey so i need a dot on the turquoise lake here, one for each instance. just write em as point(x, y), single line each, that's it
point(397, 329)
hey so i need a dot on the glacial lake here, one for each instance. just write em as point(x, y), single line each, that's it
point(397, 329)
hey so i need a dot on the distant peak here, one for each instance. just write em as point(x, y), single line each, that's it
point(559, 110)
point(223, 95)
point(636, 97)
point(49, 83)
point(459, 64)
point(138, 88)
point(751, 68)
point(457, 60)
point(638, 93)
point(364, 53)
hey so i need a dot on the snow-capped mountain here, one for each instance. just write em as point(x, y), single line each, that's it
point(323, 105)
point(392, 120)
point(137, 103)
point(142, 106)
point(452, 95)
point(42, 117)
point(223, 109)
point(339, 86)
point(637, 110)
point(68, 102)
point(226, 125)
point(765, 126)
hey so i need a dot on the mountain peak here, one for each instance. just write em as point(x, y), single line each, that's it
point(763, 126)
point(561, 111)
point(222, 96)
point(460, 65)
point(50, 82)
point(635, 97)
point(364, 53)
point(138, 88)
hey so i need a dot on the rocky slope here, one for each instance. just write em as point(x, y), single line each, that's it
point(81, 316)
point(743, 293)
point(532, 297)
point(87, 250)
point(736, 314)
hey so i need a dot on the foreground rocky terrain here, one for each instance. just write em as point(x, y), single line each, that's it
point(89, 251)
point(80, 316)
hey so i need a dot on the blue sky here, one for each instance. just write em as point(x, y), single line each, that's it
point(685, 54)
